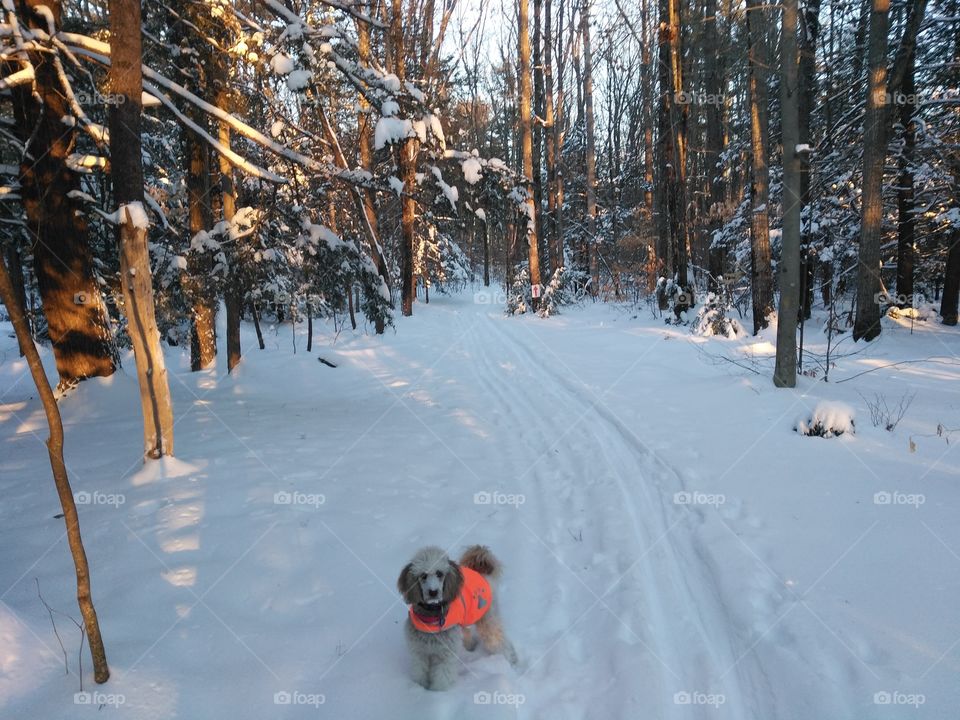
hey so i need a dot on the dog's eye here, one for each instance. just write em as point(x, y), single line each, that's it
point(439, 574)
point(423, 576)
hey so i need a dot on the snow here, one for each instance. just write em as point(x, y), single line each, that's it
point(830, 419)
point(391, 82)
point(680, 552)
point(276, 128)
point(299, 79)
point(472, 170)
point(389, 108)
point(481, 213)
point(282, 64)
point(137, 214)
point(450, 192)
point(803, 148)
point(390, 130)
point(396, 184)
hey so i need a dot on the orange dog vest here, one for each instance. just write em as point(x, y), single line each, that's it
point(467, 608)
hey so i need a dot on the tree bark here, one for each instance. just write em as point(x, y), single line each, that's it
point(761, 271)
point(906, 209)
point(549, 225)
point(16, 279)
point(101, 671)
point(526, 140)
point(875, 137)
point(135, 275)
point(785, 372)
point(77, 320)
point(235, 290)
point(591, 151)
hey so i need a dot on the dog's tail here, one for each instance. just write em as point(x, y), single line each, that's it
point(481, 559)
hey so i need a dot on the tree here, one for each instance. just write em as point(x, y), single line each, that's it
point(101, 671)
point(591, 152)
point(76, 316)
point(761, 272)
point(135, 274)
point(876, 123)
point(526, 141)
point(785, 372)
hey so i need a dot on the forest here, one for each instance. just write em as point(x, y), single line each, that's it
point(202, 192)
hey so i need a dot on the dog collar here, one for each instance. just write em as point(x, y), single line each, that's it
point(432, 620)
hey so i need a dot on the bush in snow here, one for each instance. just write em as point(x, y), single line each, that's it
point(828, 419)
point(712, 317)
point(565, 288)
point(519, 299)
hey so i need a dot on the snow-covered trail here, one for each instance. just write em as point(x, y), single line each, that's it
point(651, 618)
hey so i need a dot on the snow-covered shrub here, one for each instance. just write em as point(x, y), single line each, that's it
point(453, 272)
point(564, 288)
point(519, 299)
point(828, 419)
point(712, 319)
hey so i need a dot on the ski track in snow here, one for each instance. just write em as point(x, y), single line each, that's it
point(669, 619)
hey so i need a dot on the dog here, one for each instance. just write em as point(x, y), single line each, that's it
point(448, 601)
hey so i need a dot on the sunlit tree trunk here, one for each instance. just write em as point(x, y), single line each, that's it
point(591, 151)
point(91, 625)
point(76, 315)
point(135, 273)
point(785, 372)
point(526, 141)
point(761, 270)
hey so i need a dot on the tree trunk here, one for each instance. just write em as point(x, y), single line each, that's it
point(761, 271)
point(101, 671)
point(951, 282)
point(77, 320)
point(256, 325)
point(867, 323)
point(785, 372)
point(875, 136)
point(234, 292)
point(366, 163)
point(526, 139)
point(591, 152)
point(906, 208)
point(16, 280)
point(714, 147)
point(809, 32)
point(549, 225)
point(135, 275)
point(538, 114)
point(203, 330)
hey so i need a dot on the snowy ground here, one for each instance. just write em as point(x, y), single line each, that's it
point(673, 548)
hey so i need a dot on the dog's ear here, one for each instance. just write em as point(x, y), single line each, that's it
point(408, 586)
point(453, 583)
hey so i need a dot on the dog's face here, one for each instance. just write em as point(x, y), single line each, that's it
point(430, 578)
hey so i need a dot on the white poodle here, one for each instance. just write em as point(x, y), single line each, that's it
point(449, 600)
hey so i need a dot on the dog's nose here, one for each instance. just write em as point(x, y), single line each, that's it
point(433, 593)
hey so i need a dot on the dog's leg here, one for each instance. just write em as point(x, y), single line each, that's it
point(493, 638)
point(470, 639)
point(443, 672)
